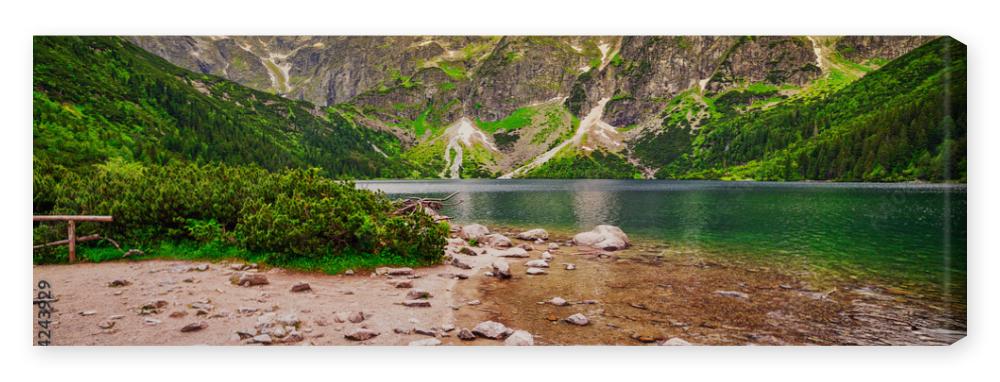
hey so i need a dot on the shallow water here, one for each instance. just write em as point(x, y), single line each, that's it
point(910, 232)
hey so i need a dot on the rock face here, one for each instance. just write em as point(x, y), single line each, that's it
point(606, 237)
point(534, 234)
point(520, 338)
point(491, 329)
point(473, 231)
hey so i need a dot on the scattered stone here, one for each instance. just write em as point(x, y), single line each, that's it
point(399, 271)
point(154, 307)
point(578, 319)
point(675, 342)
point(644, 338)
point(425, 332)
point(535, 271)
point(552, 317)
point(248, 279)
point(459, 264)
point(553, 246)
point(547, 256)
point(501, 269)
point(537, 264)
point(474, 302)
point(194, 327)
point(539, 241)
point(106, 324)
point(152, 321)
point(246, 310)
point(558, 301)
point(520, 338)
point(403, 331)
point(356, 317)
point(178, 314)
point(731, 293)
point(402, 284)
point(534, 234)
point(606, 237)
point(488, 274)
point(473, 231)
point(417, 294)
point(349, 272)
point(119, 283)
point(466, 335)
point(288, 320)
point(417, 303)
point(88, 313)
point(496, 240)
point(262, 339)
point(468, 251)
point(447, 328)
point(490, 329)
point(509, 252)
point(456, 242)
point(360, 334)
point(301, 287)
point(116, 317)
point(426, 342)
point(199, 268)
point(526, 247)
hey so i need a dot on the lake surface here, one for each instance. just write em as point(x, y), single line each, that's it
point(912, 232)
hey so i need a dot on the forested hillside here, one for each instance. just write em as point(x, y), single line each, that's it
point(97, 98)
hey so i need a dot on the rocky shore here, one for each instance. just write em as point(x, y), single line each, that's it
point(503, 287)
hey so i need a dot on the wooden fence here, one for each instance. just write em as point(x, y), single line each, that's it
point(71, 220)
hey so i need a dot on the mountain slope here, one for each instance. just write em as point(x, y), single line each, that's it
point(97, 98)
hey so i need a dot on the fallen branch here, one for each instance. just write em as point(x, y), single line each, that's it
point(78, 240)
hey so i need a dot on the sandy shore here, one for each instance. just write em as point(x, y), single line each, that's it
point(647, 294)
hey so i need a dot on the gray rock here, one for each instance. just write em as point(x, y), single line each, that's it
point(534, 234)
point(496, 240)
point(535, 271)
point(360, 334)
point(417, 303)
point(248, 279)
point(402, 284)
point(537, 264)
point(490, 329)
point(466, 335)
point(287, 320)
point(88, 312)
point(468, 251)
point(301, 287)
point(262, 339)
point(455, 262)
point(569, 266)
point(733, 294)
point(400, 272)
point(519, 338)
point(577, 319)
point(547, 256)
point(447, 327)
point(501, 269)
point(509, 252)
point(194, 327)
point(675, 342)
point(119, 283)
point(417, 294)
point(426, 342)
point(473, 302)
point(356, 317)
point(106, 324)
point(152, 321)
point(606, 237)
point(558, 301)
point(553, 246)
point(473, 231)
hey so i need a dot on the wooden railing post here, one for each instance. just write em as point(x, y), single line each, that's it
point(72, 240)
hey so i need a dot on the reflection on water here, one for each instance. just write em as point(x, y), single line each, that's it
point(914, 231)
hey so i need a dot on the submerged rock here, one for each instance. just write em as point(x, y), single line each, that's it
point(473, 231)
point(606, 237)
point(520, 338)
point(534, 234)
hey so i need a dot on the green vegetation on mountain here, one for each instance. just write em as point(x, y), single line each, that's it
point(904, 121)
point(193, 163)
point(597, 164)
point(98, 98)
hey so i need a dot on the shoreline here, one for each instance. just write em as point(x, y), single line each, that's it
point(678, 297)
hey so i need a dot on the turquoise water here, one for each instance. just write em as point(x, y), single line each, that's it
point(909, 231)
